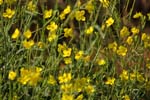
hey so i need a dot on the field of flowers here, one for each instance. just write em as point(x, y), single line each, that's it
point(73, 50)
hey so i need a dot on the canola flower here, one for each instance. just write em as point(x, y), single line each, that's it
point(27, 34)
point(79, 15)
point(79, 55)
point(65, 78)
point(89, 6)
point(124, 75)
point(135, 30)
point(67, 52)
point(31, 6)
point(129, 40)
point(66, 11)
point(9, 13)
point(47, 13)
point(52, 27)
point(52, 36)
point(89, 30)
point(105, 3)
point(101, 62)
point(67, 60)
point(16, 34)
point(122, 51)
point(109, 21)
point(28, 44)
point(124, 32)
point(68, 32)
point(12, 75)
point(110, 81)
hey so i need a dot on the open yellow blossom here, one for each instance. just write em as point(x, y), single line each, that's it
point(68, 32)
point(52, 27)
point(67, 97)
point(109, 21)
point(79, 55)
point(27, 34)
point(66, 11)
point(28, 44)
point(67, 52)
point(89, 30)
point(79, 15)
point(135, 30)
point(16, 34)
point(31, 6)
point(80, 97)
point(137, 15)
point(47, 13)
point(126, 97)
point(113, 46)
point(89, 6)
point(89, 89)
point(8, 13)
point(122, 51)
point(12, 75)
point(110, 81)
point(124, 75)
point(129, 40)
point(144, 36)
point(65, 78)
point(124, 32)
point(62, 47)
point(67, 60)
point(101, 62)
point(105, 3)
point(52, 37)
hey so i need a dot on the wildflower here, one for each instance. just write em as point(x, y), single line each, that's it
point(65, 78)
point(47, 13)
point(52, 27)
point(124, 75)
point(110, 81)
point(52, 37)
point(67, 52)
point(31, 6)
point(40, 44)
point(1, 2)
point(66, 11)
point(89, 6)
point(68, 32)
point(124, 32)
point(126, 97)
point(51, 80)
point(8, 13)
point(66, 87)
point(10, 1)
point(79, 15)
point(113, 46)
point(16, 34)
point(27, 34)
point(67, 97)
point(89, 30)
point(109, 22)
point(61, 47)
point(79, 55)
point(129, 40)
point(122, 51)
point(105, 3)
point(12, 75)
point(28, 44)
point(86, 58)
point(137, 15)
point(144, 36)
point(24, 76)
point(135, 30)
point(67, 60)
point(89, 89)
point(101, 62)
point(80, 97)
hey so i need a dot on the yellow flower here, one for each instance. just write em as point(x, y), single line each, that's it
point(79, 15)
point(12, 75)
point(9, 13)
point(113, 46)
point(27, 34)
point(89, 89)
point(1, 2)
point(65, 78)
point(16, 34)
point(67, 61)
point(66, 87)
point(31, 7)
point(89, 30)
point(129, 40)
point(47, 13)
point(67, 97)
point(61, 47)
point(52, 37)
point(101, 62)
point(89, 6)
point(144, 36)
point(10, 1)
point(110, 81)
point(79, 55)
point(66, 11)
point(67, 52)
point(105, 3)
point(124, 32)
point(135, 30)
point(68, 32)
point(137, 15)
point(52, 27)
point(126, 97)
point(51, 80)
point(124, 75)
point(122, 51)
point(109, 21)
point(28, 44)
point(40, 44)
point(80, 97)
